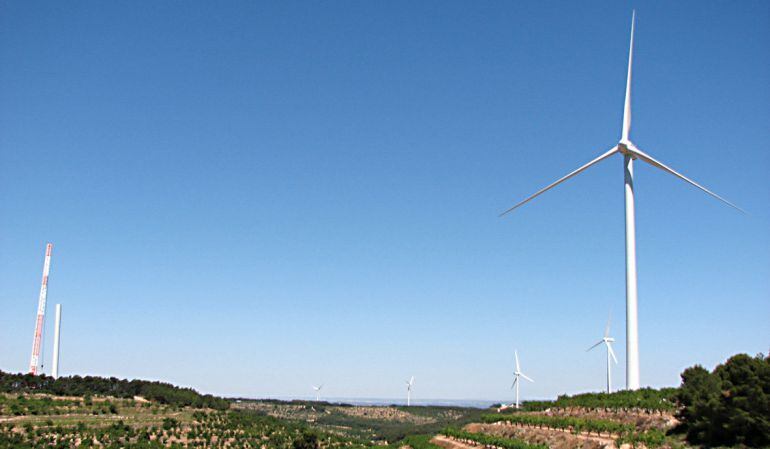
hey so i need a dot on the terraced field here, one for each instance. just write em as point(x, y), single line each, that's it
point(376, 424)
point(560, 428)
point(38, 421)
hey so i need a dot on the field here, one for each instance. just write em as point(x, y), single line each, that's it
point(723, 408)
point(45, 420)
point(42, 420)
point(372, 423)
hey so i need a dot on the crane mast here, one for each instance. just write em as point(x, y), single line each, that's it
point(34, 362)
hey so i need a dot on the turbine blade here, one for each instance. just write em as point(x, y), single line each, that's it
point(627, 103)
point(554, 184)
point(607, 329)
point(515, 379)
point(655, 163)
point(597, 344)
point(612, 353)
point(516, 355)
point(525, 376)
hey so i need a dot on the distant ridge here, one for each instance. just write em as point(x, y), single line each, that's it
point(472, 403)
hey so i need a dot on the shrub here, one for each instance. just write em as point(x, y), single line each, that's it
point(728, 406)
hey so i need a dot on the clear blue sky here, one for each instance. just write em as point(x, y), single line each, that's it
point(252, 197)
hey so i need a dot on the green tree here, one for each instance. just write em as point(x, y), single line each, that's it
point(729, 406)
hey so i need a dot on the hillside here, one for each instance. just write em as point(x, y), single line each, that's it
point(43, 420)
point(727, 407)
point(375, 423)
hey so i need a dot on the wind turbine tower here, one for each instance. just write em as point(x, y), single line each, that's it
point(516, 375)
point(56, 338)
point(317, 392)
point(607, 340)
point(630, 153)
point(34, 362)
point(409, 385)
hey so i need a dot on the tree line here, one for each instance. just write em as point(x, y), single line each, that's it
point(161, 392)
point(646, 399)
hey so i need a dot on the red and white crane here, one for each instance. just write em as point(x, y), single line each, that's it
point(34, 362)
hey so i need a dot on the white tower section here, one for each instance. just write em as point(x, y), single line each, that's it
point(34, 362)
point(55, 365)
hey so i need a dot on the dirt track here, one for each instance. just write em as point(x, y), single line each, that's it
point(448, 443)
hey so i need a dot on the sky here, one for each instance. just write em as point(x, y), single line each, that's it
point(249, 198)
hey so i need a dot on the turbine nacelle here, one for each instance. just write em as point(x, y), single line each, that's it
point(625, 147)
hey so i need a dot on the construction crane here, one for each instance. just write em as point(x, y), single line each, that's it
point(34, 362)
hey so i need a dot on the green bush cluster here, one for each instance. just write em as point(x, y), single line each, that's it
point(648, 399)
point(22, 405)
point(651, 438)
point(491, 440)
point(728, 406)
point(89, 385)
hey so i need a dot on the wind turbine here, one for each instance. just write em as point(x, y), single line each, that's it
point(409, 385)
point(607, 340)
point(317, 392)
point(516, 375)
point(630, 153)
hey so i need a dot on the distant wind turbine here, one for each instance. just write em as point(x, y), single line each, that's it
point(607, 340)
point(630, 152)
point(317, 391)
point(516, 375)
point(409, 385)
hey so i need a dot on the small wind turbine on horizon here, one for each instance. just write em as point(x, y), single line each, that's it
point(630, 153)
point(607, 340)
point(317, 392)
point(516, 375)
point(409, 385)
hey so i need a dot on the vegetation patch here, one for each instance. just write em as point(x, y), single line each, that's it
point(728, 406)
point(490, 440)
point(84, 386)
point(646, 399)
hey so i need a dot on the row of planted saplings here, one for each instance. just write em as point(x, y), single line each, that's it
point(489, 441)
point(569, 423)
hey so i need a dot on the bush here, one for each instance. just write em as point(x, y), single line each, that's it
point(728, 406)
point(645, 399)
point(170, 423)
point(306, 440)
point(491, 440)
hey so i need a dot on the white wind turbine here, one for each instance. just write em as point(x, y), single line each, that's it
point(409, 385)
point(607, 340)
point(630, 152)
point(516, 375)
point(317, 392)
